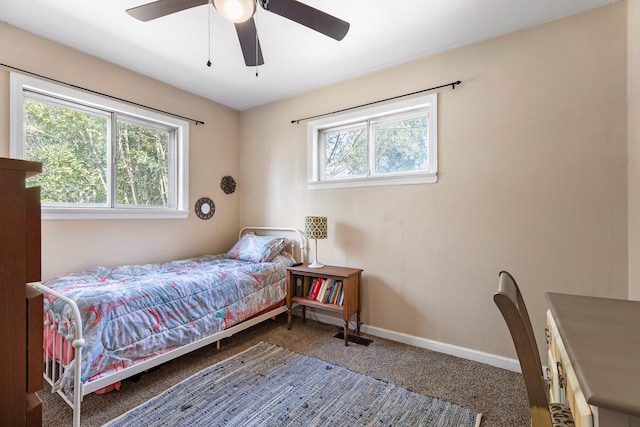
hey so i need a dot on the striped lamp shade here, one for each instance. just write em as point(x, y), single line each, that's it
point(315, 227)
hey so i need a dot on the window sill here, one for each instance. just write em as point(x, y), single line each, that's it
point(373, 182)
point(57, 214)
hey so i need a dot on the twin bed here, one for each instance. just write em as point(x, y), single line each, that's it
point(109, 323)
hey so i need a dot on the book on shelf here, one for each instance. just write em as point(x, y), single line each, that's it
point(334, 288)
point(313, 292)
point(324, 298)
point(322, 290)
point(336, 295)
point(341, 300)
point(299, 287)
point(312, 284)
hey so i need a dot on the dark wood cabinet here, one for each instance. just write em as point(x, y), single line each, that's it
point(21, 306)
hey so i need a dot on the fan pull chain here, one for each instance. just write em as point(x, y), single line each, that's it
point(209, 31)
point(255, 19)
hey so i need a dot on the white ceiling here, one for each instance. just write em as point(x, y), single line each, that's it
point(175, 48)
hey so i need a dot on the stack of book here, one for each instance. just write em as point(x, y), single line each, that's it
point(327, 291)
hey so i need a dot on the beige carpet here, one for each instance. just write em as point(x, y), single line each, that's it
point(497, 393)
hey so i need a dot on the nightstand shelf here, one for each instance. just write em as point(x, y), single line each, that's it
point(302, 278)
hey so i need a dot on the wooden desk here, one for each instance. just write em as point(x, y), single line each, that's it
point(601, 337)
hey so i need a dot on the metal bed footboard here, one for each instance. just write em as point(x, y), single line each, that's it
point(64, 349)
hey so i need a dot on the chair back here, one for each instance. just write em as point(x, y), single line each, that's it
point(511, 304)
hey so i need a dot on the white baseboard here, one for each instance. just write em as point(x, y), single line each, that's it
point(453, 350)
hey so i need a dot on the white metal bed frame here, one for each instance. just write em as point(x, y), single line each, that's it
point(55, 363)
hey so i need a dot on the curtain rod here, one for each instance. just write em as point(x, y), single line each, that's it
point(197, 122)
point(452, 84)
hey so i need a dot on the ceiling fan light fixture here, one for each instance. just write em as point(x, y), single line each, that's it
point(235, 10)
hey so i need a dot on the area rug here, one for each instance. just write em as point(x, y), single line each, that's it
point(267, 385)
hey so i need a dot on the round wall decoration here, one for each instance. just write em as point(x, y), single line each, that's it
point(228, 184)
point(205, 208)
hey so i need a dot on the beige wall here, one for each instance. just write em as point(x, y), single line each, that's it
point(633, 84)
point(533, 168)
point(533, 177)
point(71, 245)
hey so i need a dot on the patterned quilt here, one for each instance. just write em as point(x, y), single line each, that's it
point(131, 313)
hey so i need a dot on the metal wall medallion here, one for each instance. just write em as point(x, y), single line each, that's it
point(205, 208)
point(228, 184)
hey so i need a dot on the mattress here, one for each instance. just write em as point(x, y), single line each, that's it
point(134, 312)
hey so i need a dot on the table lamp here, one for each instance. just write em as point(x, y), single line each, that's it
point(315, 227)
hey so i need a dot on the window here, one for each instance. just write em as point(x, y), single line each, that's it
point(385, 145)
point(102, 159)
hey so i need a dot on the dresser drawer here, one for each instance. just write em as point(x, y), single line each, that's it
point(568, 388)
point(555, 393)
point(580, 409)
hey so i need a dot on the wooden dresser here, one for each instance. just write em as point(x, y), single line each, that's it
point(21, 306)
point(594, 358)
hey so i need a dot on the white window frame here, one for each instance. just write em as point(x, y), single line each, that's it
point(314, 144)
point(179, 207)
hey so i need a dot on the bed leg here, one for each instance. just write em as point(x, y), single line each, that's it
point(76, 414)
point(218, 344)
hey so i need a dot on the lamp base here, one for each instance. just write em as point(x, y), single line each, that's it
point(315, 263)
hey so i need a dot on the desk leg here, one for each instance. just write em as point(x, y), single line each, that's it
point(358, 323)
point(346, 333)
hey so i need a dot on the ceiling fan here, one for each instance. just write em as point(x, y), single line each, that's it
point(241, 12)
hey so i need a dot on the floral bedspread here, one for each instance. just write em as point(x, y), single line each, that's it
point(131, 313)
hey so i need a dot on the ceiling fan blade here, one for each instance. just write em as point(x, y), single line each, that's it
point(160, 8)
point(249, 43)
point(308, 16)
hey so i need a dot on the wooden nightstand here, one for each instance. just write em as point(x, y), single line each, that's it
point(300, 282)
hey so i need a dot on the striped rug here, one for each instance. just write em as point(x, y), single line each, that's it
point(267, 385)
